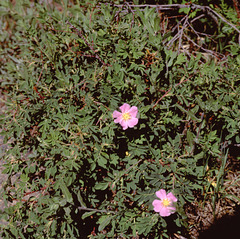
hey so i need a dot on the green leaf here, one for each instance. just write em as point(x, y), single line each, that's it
point(87, 214)
point(181, 59)
point(66, 192)
point(189, 113)
point(102, 161)
point(190, 137)
point(104, 221)
point(24, 177)
point(101, 186)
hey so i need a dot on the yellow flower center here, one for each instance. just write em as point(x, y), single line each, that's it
point(166, 202)
point(126, 116)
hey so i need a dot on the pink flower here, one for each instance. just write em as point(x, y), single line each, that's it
point(127, 117)
point(164, 206)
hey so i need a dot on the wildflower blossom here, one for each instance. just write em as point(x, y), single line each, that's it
point(127, 117)
point(165, 205)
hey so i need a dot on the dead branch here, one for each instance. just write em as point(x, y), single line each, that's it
point(179, 32)
point(212, 53)
point(95, 210)
point(129, 7)
point(206, 9)
point(236, 6)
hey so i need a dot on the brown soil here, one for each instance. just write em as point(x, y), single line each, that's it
point(202, 223)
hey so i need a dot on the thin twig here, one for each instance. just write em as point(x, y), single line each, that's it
point(165, 26)
point(177, 25)
point(129, 7)
point(236, 4)
point(169, 90)
point(206, 9)
point(161, 98)
point(40, 96)
point(178, 34)
point(200, 33)
point(160, 7)
point(95, 210)
point(218, 15)
point(196, 18)
point(181, 32)
point(214, 54)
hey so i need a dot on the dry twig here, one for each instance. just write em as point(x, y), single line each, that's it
point(205, 9)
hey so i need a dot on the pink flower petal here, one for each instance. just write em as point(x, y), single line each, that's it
point(171, 197)
point(127, 117)
point(133, 111)
point(132, 122)
point(165, 212)
point(118, 120)
point(172, 209)
point(116, 114)
point(164, 206)
point(124, 124)
point(157, 205)
point(161, 194)
point(125, 107)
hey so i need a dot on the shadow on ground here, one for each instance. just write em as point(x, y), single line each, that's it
point(226, 227)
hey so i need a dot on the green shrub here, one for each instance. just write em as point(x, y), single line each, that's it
point(76, 172)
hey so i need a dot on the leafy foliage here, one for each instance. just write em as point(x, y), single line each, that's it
point(72, 171)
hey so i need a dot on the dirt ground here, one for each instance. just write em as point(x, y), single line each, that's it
point(202, 223)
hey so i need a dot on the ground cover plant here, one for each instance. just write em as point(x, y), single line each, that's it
point(118, 117)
